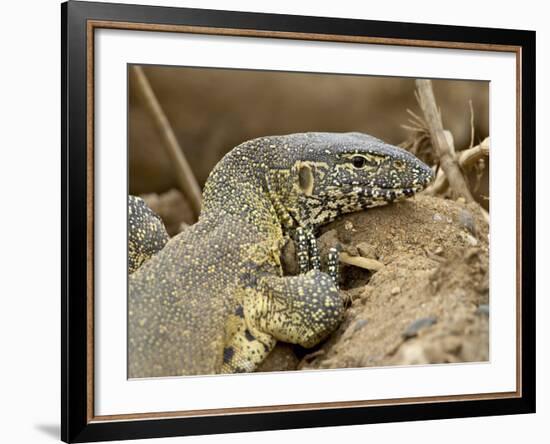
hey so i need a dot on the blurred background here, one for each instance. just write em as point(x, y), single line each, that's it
point(212, 110)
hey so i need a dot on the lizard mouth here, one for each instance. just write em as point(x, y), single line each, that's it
point(391, 193)
point(405, 191)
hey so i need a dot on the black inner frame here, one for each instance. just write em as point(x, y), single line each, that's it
point(74, 423)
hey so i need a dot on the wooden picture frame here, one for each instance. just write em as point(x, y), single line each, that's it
point(80, 20)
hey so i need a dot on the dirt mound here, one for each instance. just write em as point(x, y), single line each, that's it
point(426, 303)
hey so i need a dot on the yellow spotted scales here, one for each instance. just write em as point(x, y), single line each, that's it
point(146, 233)
point(214, 298)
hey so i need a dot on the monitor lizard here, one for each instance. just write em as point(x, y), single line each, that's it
point(214, 299)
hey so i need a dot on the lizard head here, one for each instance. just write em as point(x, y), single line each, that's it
point(338, 173)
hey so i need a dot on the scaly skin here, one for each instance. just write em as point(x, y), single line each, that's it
point(146, 233)
point(214, 299)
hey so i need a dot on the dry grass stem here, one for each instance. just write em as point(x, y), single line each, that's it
point(472, 127)
point(184, 174)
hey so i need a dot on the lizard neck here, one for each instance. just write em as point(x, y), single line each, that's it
point(237, 187)
point(259, 186)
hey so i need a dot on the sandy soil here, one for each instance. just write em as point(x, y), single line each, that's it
point(428, 303)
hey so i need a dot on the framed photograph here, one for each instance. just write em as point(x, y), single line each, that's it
point(275, 221)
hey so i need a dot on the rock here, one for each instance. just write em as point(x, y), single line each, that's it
point(395, 291)
point(411, 354)
point(472, 240)
point(483, 309)
point(412, 330)
point(328, 240)
point(282, 358)
point(466, 220)
point(463, 340)
point(348, 225)
point(366, 250)
point(173, 209)
point(359, 324)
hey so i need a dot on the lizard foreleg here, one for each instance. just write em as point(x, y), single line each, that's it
point(301, 309)
point(246, 350)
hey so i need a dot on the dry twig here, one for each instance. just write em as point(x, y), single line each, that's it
point(466, 159)
point(361, 262)
point(184, 175)
point(472, 127)
point(441, 140)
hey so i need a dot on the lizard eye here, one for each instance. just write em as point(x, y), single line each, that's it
point(358, 161)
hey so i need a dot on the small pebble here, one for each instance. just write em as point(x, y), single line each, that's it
point(471, 255)
point(472, 240)
point(467, 221)
point(360, 324)
point(412, 330)
point(437, 217)
point(395, 290)
point(366, 250)
point(439, 250)
point(349, 226)
point(483, 309)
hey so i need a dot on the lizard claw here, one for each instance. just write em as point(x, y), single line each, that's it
point(314, 258)
point(333, 265)
point(307, 250)
point(309, 258)
point(302, 250)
